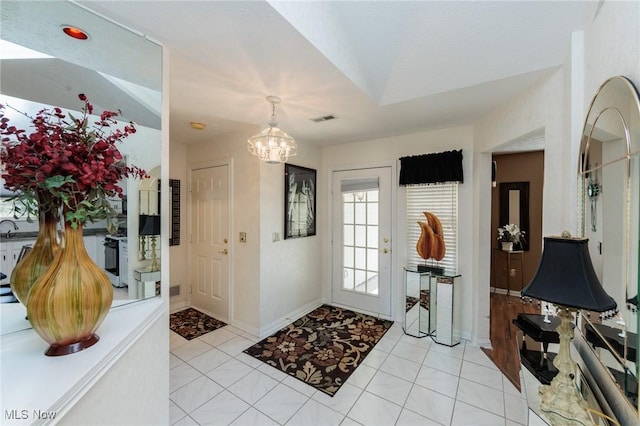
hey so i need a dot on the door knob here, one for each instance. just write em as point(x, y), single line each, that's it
point(385, 250)
point(225, 251)
point(385, 239)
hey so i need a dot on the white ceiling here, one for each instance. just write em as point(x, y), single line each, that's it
point(383, 68)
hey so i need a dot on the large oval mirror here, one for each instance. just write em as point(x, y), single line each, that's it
point(609, 183)
point(116, 69)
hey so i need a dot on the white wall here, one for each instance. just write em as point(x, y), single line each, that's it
point(558, 104)
point(135, 389)
point(178, 254)
point(270, 281)
point(542, 106)
point(245, 217)
point(612, 46)
point(290, 269)
point(377, 151)
point(262, 295)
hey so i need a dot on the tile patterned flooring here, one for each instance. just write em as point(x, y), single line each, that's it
point(403, 381)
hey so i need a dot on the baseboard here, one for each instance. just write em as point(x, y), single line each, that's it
point(482, 343)
point(498, 290)
point(364, 311)
point(178, 306)
point(245, 327)
point(277, 324)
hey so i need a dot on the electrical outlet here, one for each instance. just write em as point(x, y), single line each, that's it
point(243, 237)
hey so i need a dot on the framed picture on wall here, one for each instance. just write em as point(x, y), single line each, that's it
point(299, 201)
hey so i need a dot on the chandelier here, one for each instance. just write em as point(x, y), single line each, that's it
point(272, 145)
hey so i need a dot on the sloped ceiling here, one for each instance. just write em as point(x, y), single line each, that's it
point(383, 68)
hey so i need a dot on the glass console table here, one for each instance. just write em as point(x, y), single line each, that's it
point(431, 305)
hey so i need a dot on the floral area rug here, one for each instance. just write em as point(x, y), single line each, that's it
point(322, 348)
point(191, 323)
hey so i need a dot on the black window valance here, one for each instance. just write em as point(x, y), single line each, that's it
point(432, 168)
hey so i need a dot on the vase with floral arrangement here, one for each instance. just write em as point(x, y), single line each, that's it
point(72, 163)
point(509, 235)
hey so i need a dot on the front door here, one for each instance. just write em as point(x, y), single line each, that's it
point(361, 241)
point(209, 263)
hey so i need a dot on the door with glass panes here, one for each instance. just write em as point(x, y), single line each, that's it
point(361, 239)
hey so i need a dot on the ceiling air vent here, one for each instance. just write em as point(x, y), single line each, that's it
point(325, 118)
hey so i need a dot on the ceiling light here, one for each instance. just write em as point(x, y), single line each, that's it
point(197, 126)
point(75, 32)
point(272, 145)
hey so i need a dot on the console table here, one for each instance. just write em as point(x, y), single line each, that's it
point(540, 364)
point(147, 283)
point(418, 311)
point(436, 296)
point(538, 369)
point(511, 258)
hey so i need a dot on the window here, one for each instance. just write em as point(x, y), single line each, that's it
point(360, 249)
point(441, 200)
point(6, 208)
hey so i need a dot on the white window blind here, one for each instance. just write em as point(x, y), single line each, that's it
point(441, 200)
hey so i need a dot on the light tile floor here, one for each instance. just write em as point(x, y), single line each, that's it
point(403, 381)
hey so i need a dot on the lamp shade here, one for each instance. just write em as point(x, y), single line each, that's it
point(149, 225)
point(566, 277)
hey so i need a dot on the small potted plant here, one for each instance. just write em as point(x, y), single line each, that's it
point(508, 235)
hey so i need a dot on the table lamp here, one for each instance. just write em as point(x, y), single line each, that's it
point(149, 225)
point(566, 278)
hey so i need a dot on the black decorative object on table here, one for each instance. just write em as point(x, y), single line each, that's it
point(436, 270)
point(533, 325)
point(540, 364)
point(593, 333)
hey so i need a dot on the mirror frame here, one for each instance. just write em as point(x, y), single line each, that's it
point(585, 170)
point(51, 43)
point(523, 187)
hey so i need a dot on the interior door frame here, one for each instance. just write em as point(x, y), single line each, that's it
point(395, 279)
point(210, 164)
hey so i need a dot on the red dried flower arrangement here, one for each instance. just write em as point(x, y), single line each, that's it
point(66, 160)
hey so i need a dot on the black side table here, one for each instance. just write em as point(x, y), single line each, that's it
point(540, 364)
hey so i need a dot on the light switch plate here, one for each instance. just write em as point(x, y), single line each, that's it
point(243, 237)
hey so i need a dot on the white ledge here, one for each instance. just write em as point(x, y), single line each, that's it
point(33, 383)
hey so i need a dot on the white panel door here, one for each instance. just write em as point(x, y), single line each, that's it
point(361, 239)
point(209, 269)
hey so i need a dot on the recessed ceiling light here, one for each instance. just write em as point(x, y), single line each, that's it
point(197, 126)
point(75, 32)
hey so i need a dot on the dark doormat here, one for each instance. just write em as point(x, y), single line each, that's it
point(323, 348)
point(191, 323)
